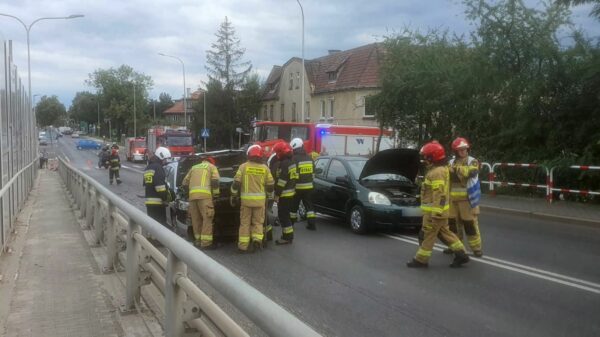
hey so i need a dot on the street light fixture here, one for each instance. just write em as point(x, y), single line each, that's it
point(302, 90)
point(28, 30)
point(204, 92)
point(184, 98)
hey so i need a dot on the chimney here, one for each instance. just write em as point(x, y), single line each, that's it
point(333, 51)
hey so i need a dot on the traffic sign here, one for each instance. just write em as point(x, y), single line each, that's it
point(204, 133)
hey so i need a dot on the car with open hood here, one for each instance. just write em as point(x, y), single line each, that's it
point(379, 192)
point(226, 221)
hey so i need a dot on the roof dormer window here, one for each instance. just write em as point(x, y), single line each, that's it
point(332, 76)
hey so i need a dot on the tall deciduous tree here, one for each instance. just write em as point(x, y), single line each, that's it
point(84, 107)
point(50, 111)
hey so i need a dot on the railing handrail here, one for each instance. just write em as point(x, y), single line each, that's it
point(12, 180)
point(266, 314)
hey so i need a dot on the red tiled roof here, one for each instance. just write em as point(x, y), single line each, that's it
point(177, 108)
point(356, 69)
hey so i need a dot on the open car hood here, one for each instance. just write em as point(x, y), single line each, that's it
point(404, 162)
point(227, 161)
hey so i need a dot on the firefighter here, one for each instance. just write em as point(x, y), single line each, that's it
point(115, 166)
point(203, 184)
point(285, 190)
point(156, 188)
point(435, 198)
point(304, 184)
point(465, 193)
point(252, 184)
point(273, 165)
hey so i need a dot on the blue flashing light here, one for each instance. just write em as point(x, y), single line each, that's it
point(322, 132)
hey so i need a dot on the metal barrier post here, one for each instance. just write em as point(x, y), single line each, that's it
point(174, 296)
point(490, 177)
point(567, 190)
point(111, 240)
point(504, 183)
point(132, 268)
point(99, 223)
point(89, 214)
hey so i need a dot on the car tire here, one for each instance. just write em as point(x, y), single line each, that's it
point(356, 218)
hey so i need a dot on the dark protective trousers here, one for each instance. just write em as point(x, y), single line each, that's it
point(113, 174)
point(283, 212)
point(158, 213)
point(306, 197)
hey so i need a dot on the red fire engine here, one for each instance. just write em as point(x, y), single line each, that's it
point(177, 140)
point(135, 148)
point(324, 139)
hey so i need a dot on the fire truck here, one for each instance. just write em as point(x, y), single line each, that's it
point(324, 139)
point(135, 148)
point(177, 140)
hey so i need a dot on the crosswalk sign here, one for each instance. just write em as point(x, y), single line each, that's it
point(204, 133)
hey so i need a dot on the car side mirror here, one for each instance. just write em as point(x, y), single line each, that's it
point(320, 171)
point(342, 180)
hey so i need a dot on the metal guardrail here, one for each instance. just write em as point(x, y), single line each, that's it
point(119, 225)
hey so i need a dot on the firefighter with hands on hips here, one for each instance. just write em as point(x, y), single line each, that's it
point(435, 199)
point(202, 181)
point(465, 193)
point(115, 166)
point(155, 185)
point(304, 185)
point(252, 183)
point(285, 189)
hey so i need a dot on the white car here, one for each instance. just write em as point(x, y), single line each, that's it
point(75, 135)
point(41, 135)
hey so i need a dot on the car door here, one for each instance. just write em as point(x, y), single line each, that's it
point(319, 182)
point(339, 188)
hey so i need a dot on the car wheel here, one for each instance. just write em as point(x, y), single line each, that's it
point(301, 211)
point(357, 220)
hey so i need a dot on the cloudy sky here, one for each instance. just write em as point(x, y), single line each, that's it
point(133, 32)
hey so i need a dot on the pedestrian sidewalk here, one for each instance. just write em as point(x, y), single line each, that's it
point(51, 283)
point(559, 210)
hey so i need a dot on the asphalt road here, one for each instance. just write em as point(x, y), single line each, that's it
point(537, 278)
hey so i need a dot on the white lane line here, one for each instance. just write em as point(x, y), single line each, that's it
point(132, 169)
point(534, 272)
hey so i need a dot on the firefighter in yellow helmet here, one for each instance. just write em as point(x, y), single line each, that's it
point(253, 182)
point(203, 182)
point(465, 193)
point(435, 198)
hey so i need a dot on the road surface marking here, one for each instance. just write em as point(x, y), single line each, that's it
point(519, 268)
point(132, 169)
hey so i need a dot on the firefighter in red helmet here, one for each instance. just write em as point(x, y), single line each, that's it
point(253, 182)
point(435, 198)
point(465, 192)
point(285, 189)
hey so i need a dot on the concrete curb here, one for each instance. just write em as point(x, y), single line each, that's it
point(581, 221)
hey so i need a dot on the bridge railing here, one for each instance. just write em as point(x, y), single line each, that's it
point(119, 226)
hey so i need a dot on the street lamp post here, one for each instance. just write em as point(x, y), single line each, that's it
point(28, 30)
point(302, 90)
point(134, 114)
point(184, 98)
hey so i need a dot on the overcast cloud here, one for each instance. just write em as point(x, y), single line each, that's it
point(132, 32)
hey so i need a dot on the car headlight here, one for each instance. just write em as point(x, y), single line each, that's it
point(379, 199)
point(183, 205)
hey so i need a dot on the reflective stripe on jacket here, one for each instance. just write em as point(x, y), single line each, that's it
point(287, 175)
point(154, 183)
point(462, 169)
point(253, 182)
point(203, 180)
point(435, 192)
point(306, 168)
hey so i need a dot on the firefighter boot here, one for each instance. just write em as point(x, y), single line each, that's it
point(460, 258)
point(283, 241)
point(448, 251)
point(119, 181)
point(477, 253)
point(416, 264)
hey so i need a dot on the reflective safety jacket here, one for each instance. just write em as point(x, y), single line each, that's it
point(115, 162)
point(306, 169)
point(154, 182)
point(253, 182)
point(461, 170)
point(435, 192)
point(203, 180)
point(287, 175)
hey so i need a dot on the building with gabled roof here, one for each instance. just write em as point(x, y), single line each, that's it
point(336, 86)
point(175, 114)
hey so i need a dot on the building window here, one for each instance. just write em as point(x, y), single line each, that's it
point(271, 113)
point(298, 80)
point(294, 117)
point(282, 113)
point(307, 109)
point(331, 108)
point(322, 109)
point(369, 107)
point(291, 81)
point(265, 113)
point(332, 76)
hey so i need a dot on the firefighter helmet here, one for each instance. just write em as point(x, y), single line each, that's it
point(433, 152)
point(255, 151)
point(460, 143)
point(210, 160)
point(282, 150)
point(114, 152)
point(162, 153)
point(296, 143)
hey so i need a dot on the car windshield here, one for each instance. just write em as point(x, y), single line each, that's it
point(357, 166)
point(139, 143)
point(179, 141)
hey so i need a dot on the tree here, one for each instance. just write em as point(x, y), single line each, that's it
point(116, 88)
point(595, 10)
point(84, 107)
point(226, 68)
point(50, 111)
point(163, 103)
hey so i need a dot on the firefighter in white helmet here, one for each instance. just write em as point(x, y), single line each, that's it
point(304, 184)
point(155, 185)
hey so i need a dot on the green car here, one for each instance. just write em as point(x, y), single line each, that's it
point(375, 193)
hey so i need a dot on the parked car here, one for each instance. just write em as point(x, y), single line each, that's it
point(43, 140)
point(227, 218)
point(369, 193)
point(75, 134)
point(87, 144)
point(41, 134)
